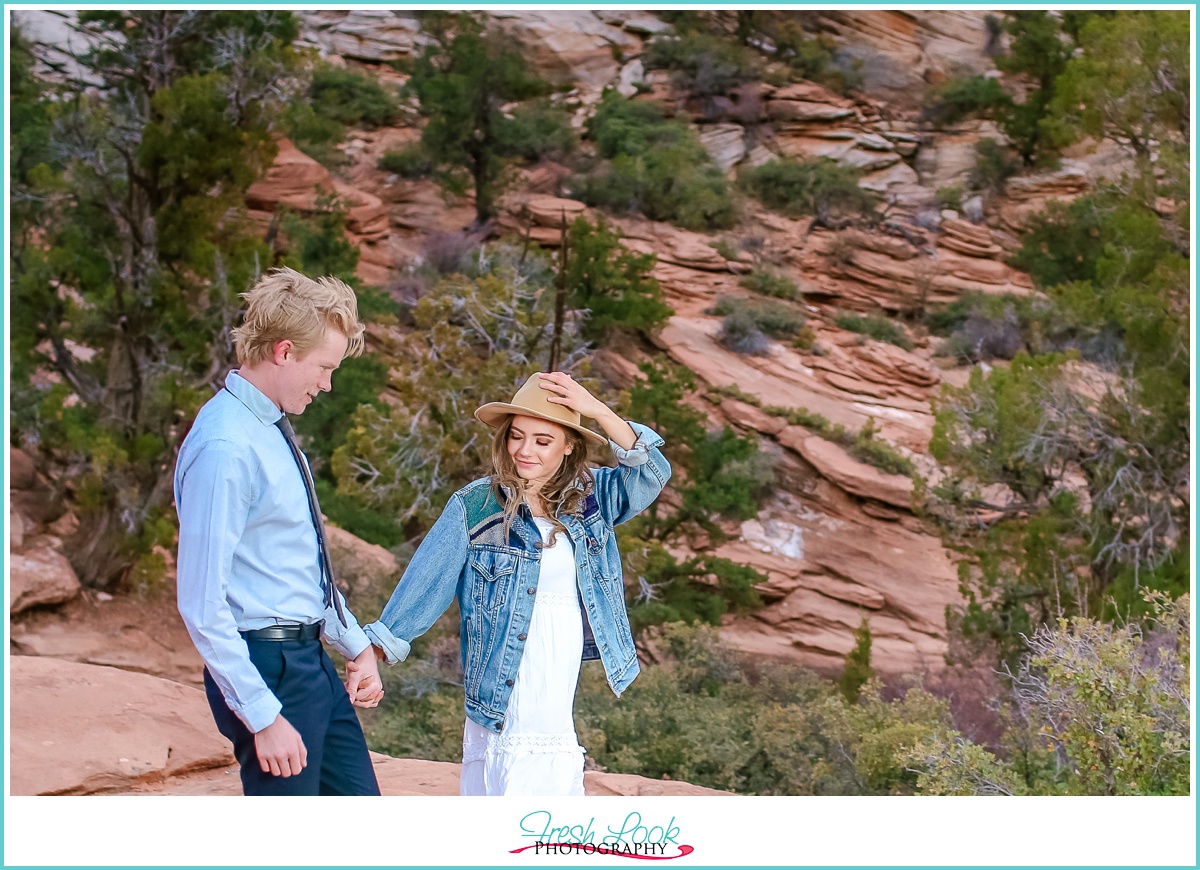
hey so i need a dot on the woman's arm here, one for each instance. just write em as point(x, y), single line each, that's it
point(642, 472)
point(427, 586)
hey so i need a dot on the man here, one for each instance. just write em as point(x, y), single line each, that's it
point(255, 587)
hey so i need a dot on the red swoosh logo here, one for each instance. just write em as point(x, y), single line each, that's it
point(605, 850)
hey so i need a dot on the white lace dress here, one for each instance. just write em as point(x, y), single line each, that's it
point(538, 752)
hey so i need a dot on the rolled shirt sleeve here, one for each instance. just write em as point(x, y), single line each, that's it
point(213, 497)
point(350, 640)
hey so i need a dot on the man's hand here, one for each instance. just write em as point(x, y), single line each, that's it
point(280, 749)
point(363, 683)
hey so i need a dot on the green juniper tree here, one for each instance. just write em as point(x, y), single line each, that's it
point(612, 284)
point(463, 80)
point(130, 247)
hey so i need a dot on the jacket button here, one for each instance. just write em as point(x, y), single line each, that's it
point(508, 682)
point(532, 590)
point(499, 726)
point(520, 637)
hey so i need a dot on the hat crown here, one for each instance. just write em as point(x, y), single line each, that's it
point(532, 400)
point(537, 401)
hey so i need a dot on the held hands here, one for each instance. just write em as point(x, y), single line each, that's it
point(280, 749)
point(363, 683)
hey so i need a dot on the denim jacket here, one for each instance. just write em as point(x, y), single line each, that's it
point(466, 555)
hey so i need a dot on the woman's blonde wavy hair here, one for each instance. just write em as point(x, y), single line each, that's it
point(285, 305)
point(563, 492)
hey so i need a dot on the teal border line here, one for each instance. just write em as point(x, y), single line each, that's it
point(652, 5)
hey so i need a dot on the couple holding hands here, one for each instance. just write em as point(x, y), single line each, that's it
point(529, 552)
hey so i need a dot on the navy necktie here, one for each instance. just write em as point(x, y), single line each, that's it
point(332, 599)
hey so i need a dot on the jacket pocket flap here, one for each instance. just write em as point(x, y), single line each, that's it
point(492, 566)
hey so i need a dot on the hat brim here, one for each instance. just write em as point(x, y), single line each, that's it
point(493, 413)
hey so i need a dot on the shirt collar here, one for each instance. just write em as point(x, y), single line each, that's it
point(253, 398)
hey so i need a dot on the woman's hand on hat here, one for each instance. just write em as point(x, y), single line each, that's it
point(573, 395)
point(577, 398)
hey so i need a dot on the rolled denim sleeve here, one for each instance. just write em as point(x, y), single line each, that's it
point(213, 495)
point(639, 453)
point(427, 586)
point(642, 472)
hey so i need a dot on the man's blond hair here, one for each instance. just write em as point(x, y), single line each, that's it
point(285, 305)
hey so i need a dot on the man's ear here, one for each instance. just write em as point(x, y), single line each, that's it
point(282, 350)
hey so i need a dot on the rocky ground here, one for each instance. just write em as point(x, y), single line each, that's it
point(91, 729)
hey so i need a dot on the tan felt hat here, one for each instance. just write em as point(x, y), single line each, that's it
point(532, 401)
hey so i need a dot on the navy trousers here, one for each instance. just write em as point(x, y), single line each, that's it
point(316, 704)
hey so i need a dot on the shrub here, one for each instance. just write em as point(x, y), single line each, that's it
point(994, 165)
point(537, 131)
point(774, 318)
point(315, 135)
point(621, 126)
point(706, 65)
point(964, 97)
point(878, 328)
point(317, 243)
point(820, 187)
point(657, 168)
point(810, 56)
point(448, 253)
point(1094, 238)
point(361, 520)
point(350, 98)
point(412, 162)
point(336, 99)
point(981, 337)
point(1114, 700)
point(708, 716)
point(857, 668)
point(980, 326)
point(806, 338)
point(741, 334)
point(725, 248)
point(770, 283)
point(950, 197)
point(841, 248)
point(720, 62)
point(865, 447)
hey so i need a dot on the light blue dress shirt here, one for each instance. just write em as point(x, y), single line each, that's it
point(248, 555)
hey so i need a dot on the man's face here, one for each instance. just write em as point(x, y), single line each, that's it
point(304, 376)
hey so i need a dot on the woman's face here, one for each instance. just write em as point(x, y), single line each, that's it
point(537, 448)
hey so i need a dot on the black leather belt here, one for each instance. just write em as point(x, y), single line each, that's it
point(295, 631)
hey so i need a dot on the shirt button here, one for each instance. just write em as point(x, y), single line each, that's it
point(520, 637)
point(532, 590)
point(508, 682)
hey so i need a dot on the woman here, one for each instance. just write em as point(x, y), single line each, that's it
point(531, 556)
